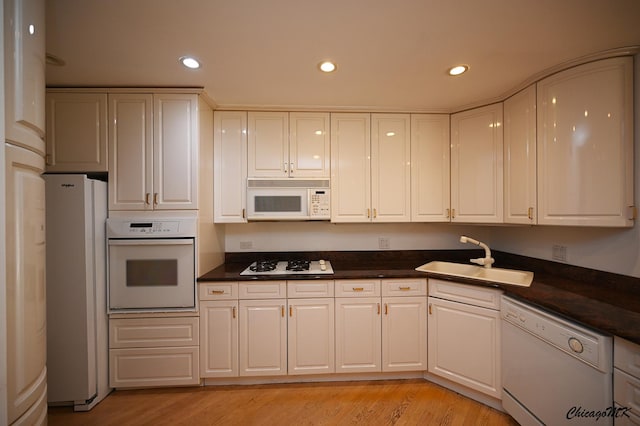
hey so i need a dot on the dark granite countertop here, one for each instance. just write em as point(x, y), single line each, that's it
point(605, 301)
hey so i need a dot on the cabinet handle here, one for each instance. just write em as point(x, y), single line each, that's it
point(234, 312)
point(290, 311)
point(453, 213)
point(282, 310)
point(448, 213)
point(368, 213)
point(375, 213)
point(244, 213)
point(405, 288)
point(430, 309)
point(285, 168)
point(216, 292)
point(530, 213)
point(48, 159)
point(386, 309)
point(358, 288)
point(378, 309)
point(146, 198)
point(155, 198)
point(291, 169)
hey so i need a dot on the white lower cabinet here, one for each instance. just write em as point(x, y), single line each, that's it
point(153, 351)
point(219, 338)
point(311, 336)
point(381, 333)
point(263, 337)
point(464, 335)
point(626, 382)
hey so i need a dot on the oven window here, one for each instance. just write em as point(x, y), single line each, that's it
point(279, 203)
point(152, 272)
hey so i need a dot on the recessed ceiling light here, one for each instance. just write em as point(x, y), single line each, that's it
point(327, 66)
point(458, 69)
point(190, 62)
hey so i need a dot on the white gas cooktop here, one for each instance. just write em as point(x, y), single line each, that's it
point(290, 267)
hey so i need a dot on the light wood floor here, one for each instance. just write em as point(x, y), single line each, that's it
point(391, 402)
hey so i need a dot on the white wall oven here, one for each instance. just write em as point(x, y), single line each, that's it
point(151, 264)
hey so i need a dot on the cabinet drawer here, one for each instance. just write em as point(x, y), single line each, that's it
point(153, 332)
point(473, 295)
point(404, 287)
point(151, 367)
point(218, 291)
point(357, 288)
point(626, 390)
point(626, 356)
point(312, 288)
point(263, 290)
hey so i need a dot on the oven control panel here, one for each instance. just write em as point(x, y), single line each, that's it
point(150, 228)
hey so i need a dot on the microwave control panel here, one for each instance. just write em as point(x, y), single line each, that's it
point(319, 204)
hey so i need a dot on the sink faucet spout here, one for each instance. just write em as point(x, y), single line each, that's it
point(485, 261)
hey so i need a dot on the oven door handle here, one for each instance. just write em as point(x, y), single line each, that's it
point(150, 242)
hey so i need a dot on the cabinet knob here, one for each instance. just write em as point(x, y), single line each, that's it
point(234, 312)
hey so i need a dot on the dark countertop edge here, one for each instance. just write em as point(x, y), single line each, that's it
point(605, 301)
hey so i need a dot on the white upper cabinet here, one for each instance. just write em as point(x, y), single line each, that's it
point(77, 132)
point(390, 167)
point(24, 73)
point(230, 166)
point(309, 144)
point(350, 167)
point(284, 145)
point(430, 165)
point(370, 167)
point(268, 144)
point(476, 165)
point(520, 157)
point(585, 145)
point(153, 151)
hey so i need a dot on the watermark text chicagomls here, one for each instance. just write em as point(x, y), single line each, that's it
point(615, 412)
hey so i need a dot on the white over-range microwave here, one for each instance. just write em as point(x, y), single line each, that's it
point(288, 199)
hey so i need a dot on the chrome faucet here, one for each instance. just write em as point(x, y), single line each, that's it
point(485, 261)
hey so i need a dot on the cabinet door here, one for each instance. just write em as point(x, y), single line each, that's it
point(585, 145)
point(464, 345)
point(430, 165)
point(219, 338)
point(130, 151)
point(26, 379)
point(24, 73)
point(175, 152)
point(309, 144)
point(390, 167)
point(520, 157)
point(263, 337)
point(230, 166)
point(311, 336)
point(476, 165)
point(77, 132)
point(358, 335)
point(268, 144)
point(404, 334)
point(350, 167)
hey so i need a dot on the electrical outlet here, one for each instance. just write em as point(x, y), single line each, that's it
point(384, 243)
point(559, 253)
point(246, 245)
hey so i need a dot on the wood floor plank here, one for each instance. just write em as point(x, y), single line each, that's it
point(389, 402)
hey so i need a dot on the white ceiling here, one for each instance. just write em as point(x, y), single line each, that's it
point(391, 54)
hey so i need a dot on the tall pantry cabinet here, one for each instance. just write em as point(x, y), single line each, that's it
point(25, 401)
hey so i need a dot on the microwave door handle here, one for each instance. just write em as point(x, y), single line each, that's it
point(150, 241)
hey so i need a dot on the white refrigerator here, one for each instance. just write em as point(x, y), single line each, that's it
point(76, 287)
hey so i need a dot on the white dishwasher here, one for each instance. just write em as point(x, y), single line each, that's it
point(554, 372)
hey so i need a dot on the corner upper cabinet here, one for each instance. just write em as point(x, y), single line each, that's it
point(476, 165)
point(585, 145)
point(230, 166)
point(153, 151)
point(24, 87)
point(520, 193)
point(430, 168)
point(76, 132)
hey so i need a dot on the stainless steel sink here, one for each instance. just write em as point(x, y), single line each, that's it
point(495, 275)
